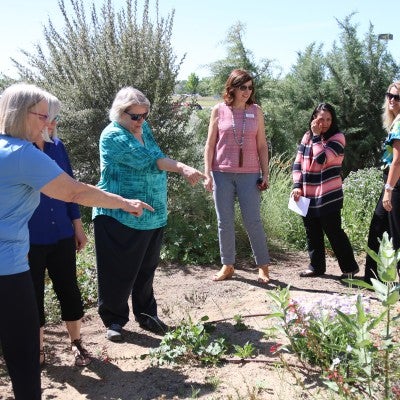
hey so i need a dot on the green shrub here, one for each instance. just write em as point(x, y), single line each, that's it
point(284, 228)
point(361, 193)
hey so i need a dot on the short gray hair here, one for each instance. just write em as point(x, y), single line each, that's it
point(126, 97)
point(15, 103)
point(54, 110)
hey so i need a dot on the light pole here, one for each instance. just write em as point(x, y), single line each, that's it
point(385, 36)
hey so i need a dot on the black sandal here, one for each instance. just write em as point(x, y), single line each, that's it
point(82, 356)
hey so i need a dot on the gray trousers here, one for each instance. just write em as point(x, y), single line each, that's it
point(228, 186)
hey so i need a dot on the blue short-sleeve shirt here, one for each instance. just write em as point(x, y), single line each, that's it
point(394, 134)
point(24, 170)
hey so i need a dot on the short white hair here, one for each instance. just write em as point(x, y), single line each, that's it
point(126, 97)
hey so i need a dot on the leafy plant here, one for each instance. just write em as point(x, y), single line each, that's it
point(340, 337)
point(361, 192)
point(189, 342)
point(245, 351)
point(386, 289)
point(239, 324)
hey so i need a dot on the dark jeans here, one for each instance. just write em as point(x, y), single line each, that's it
point(19, 334)
point(60, 261)
point(383, 221)
point(331, 225)
point(126, 262)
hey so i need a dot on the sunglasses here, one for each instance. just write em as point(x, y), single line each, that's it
point(242, 88)
point(391, 96)
point(137, 117)
point(42, 117)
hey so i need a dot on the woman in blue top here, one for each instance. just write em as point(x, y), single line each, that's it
point(56, 233)
point(386, 217)
point(128, 249)
point(24, 173)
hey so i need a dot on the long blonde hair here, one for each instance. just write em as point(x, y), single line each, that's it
point(388, 117)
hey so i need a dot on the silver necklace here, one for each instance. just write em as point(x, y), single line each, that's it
point(240, 141)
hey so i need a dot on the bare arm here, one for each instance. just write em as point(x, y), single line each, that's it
point(262, 148)
point(192, 175)
point(68, 189)
point(210, 147)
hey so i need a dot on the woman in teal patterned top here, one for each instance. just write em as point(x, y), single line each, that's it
point(128, 249)
point(386, 217)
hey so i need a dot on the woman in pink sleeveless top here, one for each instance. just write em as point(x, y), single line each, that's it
point(235, 157)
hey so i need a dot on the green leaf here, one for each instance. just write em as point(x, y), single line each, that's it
point(392, 299)
point(359, 282)
point(377, 320)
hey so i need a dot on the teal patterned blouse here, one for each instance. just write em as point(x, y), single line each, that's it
point(394, 134)
point(130, 169)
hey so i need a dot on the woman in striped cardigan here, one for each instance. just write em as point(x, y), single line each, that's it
point(317, 176)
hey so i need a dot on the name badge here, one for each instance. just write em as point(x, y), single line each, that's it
point(249, 115)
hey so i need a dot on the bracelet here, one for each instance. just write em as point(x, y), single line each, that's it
point(388, 187)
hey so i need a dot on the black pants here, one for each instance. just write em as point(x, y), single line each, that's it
point(126, 262)
point(331, 225)
point(60, 261)
point(19, 334)
point(383, 221)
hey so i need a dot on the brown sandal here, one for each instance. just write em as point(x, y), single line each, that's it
point(226, 272)
point(82, 356)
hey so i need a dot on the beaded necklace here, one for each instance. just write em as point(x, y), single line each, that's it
point(239, 142)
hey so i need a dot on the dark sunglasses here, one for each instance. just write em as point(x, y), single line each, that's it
point(391, 96)
point(242, 88)
point(137, 117)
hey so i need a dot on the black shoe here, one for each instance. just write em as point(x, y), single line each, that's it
point(154, 324)
point(349, 275)
point(309, 273)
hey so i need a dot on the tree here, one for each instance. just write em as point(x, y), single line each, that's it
point(238, 57)
point(360, 72)
point(290, 100)
point(91, 58)
point(192, 84)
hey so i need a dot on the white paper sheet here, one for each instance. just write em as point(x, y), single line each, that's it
point(299, 207)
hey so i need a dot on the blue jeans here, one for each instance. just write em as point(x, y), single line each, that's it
point(226, 187)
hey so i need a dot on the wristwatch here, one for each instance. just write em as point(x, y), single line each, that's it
point(388, 187)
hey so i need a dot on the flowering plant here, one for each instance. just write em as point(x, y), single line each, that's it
point(341, 336)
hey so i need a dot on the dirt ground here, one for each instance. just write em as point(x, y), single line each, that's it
point(117, 372)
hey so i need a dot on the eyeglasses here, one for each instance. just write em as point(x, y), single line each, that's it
point(137, 117)
point(391, 96)
point(42, 117)
point(242, 88)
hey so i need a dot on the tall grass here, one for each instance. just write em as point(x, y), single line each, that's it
point(284, 228)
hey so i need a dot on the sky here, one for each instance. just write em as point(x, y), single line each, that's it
point(274, 29)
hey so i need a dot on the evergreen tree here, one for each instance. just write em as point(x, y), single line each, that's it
point(360, 71)
point(91, 58)
point(238, 57)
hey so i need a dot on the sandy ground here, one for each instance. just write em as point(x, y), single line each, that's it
point(118, 372)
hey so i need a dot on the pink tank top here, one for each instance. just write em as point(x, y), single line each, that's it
point(227, 148)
